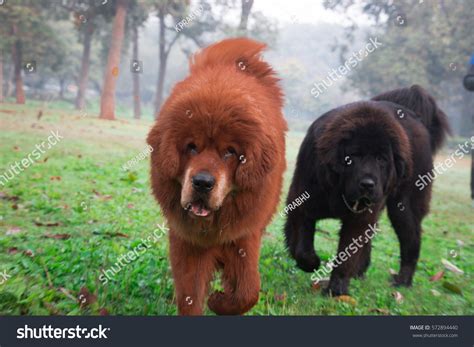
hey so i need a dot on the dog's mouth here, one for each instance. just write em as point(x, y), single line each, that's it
point(198, 208)
point(360, 205)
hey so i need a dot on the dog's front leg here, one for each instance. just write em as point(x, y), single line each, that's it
point(353, 250)
point(192, 268)
point(240, 277)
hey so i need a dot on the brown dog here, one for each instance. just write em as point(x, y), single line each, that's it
point(216, 171)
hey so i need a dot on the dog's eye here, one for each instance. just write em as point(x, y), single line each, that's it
point(192, 148)
point(229, 152)
point(380, 159)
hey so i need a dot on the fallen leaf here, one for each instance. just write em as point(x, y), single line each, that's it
point(29, 253)
point(398, 297)
point(13, 231)
point(12, 250)
point(437, 276)
point(5, 196)
point(57, 236)
point(347, 299)
point(451, 267)
point(85, 297)
point(452, 288)
point(318, 285)
point(55, 178)
point(46, 224)
point(16, 148)
point(103, 312)
point(130, 205)
point(392, 272)
point(383, 311)
point(435, 292)
point(280, 297)
point(460, 243)
point(102, 197)
point(110, 234)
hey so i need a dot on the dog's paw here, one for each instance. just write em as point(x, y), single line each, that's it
point(337, 287)
point(216, 303)
point(224, 304)
point(308, 262)
point(401, 281)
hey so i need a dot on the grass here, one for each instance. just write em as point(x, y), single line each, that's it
point(80, 185)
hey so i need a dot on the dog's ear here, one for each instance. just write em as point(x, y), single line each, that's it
point(399, 173)
point(401, 167)
point(164, 153)
point(258, 160)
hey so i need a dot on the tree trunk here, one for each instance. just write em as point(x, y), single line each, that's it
point(85, 64)
point(162, 68)
point(136, 76)
point(17, 57)
point(244, 18)
point(107, 101)
point(10, 76)
point(1, 75)
point(62, 88)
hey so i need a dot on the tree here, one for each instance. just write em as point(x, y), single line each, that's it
point(244, 17)
point(173, 9)
point(138, 14)
point(424, 44)
point(136, 75)
point(23, 27)
point(88, 17)
point(107, 102)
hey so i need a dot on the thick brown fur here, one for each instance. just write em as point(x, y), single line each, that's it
point(223, 121)
point(354, 161)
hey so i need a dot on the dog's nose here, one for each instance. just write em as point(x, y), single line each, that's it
point(367, 183)
point(203, 182)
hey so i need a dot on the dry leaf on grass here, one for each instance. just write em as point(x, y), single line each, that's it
point(13, 231)
point(398, 297)
point(437, 276)
point(452, 288)
point(451, 267)
point(46, 224)
point(347, 299)
point(383, 311)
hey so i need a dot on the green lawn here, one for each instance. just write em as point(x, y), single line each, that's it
point(97, 212)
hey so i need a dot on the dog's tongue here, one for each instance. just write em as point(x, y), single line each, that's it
point(199, 210)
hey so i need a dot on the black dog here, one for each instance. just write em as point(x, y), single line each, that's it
point(354, 161)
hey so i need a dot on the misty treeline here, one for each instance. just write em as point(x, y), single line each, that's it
point(118, 55)
point(80, 44)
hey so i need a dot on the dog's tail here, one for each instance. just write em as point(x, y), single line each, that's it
point(242, 53)
point(424, 105)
